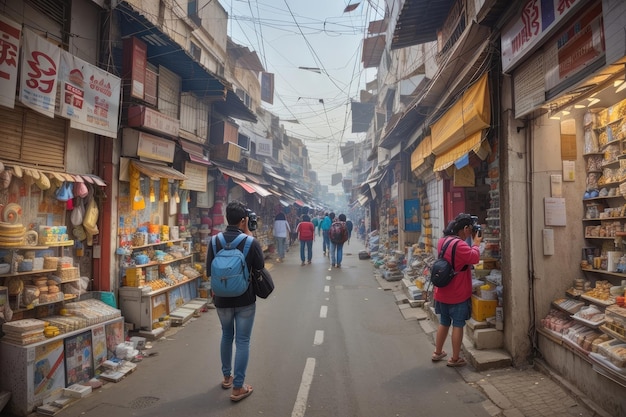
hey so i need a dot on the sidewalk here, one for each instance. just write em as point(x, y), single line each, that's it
point(534, 391)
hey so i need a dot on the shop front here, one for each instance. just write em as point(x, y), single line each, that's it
point(569, 111)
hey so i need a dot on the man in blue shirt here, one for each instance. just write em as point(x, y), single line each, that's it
point(325, 226)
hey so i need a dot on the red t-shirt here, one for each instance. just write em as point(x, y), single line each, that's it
point(305, 230)
point(460, 288)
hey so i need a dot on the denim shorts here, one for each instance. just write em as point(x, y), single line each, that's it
point(454, 314)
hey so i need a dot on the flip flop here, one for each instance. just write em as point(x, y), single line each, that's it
point(456, 363)
point(245, 394)
point(227, 383)
point(438, 356)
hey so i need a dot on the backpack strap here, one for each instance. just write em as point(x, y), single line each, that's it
point(443, 251)
point(247, 245)
point(235, 242)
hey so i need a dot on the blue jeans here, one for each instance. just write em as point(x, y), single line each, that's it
point(336, 253)
point(326, 240)
point(309, 246)
point(236, 324)
point(280, 246)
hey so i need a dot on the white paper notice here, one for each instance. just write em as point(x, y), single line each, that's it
point(554, 211)
point(556, 186)
point(569, 171)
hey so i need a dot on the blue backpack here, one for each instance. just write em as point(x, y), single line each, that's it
point(229, 270)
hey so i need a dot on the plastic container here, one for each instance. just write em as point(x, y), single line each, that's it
point(487, 292)
point(481, 309)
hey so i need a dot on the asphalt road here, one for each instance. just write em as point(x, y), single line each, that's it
point(328, 342)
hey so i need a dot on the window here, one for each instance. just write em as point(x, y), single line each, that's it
point(195, 51)
point(192, 12)
point(243, 141)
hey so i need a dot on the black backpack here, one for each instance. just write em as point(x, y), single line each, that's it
point(442, 271)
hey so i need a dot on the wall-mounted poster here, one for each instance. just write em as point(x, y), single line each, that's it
point(48, 369)
point(115, 336)
point(78, 358)
point(99, 342)
point(412, 217)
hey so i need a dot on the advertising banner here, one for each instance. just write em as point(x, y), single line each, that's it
point(10, 44)
point(90, 96)
point(38, 77)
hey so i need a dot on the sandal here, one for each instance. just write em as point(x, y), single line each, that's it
point(246, 393)
point(227, 383)
point(456, 363)
point(438, 356)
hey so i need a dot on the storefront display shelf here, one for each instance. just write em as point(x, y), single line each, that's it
point(604, 219)
point(594, 154)
point(165, 289)
point(608, 184)
point(603, 272)
point(597, 301)
point(615, 335)
point(70, 297)
point(605, 368)
point(163, 242)
point(601, 237)
point(588, 323)
point(17, 274)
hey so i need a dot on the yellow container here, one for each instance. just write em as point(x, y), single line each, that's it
point(133, 275)
point(481, 309)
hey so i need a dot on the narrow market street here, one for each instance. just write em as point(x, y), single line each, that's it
point(328, 342)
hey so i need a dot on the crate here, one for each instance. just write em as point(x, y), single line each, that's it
point(481, 308)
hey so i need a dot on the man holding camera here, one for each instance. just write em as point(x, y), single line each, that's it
point(236, 314)
point(453, 302)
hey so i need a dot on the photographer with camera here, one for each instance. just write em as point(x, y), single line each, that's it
point(453, 302)
point(237, 313)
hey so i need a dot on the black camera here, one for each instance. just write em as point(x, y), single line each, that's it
point(252, 220)
point(475, 226)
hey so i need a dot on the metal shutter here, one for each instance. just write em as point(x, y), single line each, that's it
point(31, 138)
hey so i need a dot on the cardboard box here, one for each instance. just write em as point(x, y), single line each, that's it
point(481, 309)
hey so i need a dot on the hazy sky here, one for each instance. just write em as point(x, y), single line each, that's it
point(288, 34)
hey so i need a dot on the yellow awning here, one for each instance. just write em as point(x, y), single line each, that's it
point(470, 144)
point(156, 171)
point(470, 114)
point(421, 153)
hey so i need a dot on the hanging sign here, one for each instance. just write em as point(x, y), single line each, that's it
point(10, 41)
point(40, 67)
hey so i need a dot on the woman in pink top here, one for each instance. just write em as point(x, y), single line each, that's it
point(306, 235)
point(453, 302)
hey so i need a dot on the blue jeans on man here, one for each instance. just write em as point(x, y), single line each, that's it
point(336, 254)
point(309, 247)
point(236, 325)
point(326, 241)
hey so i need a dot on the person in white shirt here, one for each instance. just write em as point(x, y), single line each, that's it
point(281, 231)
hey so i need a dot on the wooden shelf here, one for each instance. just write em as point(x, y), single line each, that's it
point(606, 218)
point(603, 272)
point(601, 237)
point(17, 274)
point(43, 304)
point(164, 289)
point(164, 242)
point(153, 263)
point(593, 153)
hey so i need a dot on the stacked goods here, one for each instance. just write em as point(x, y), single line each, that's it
point(24, 332)
point(601, 293)
point(557, 321)
point(12, 235)
point(583, 337)
point(66, 270)
point(590, 315)
point(614, 351)
point(82, 314)
point(615, 323)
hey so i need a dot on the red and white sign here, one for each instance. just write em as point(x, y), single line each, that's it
point(9, 53)
point(577, 46)
point(90, 96)
point(38, 77)
point(536, 20)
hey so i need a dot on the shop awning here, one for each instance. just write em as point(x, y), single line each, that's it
point(156, 171)
point(420, 153)
point(469, 115)
point(419, 21)
point(363, 199)
point(195, 152)
point(233, 106)
point(233, 174)
point(252, 188)
point(459, 153)
point(21, 170)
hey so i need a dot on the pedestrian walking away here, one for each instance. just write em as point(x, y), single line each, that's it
point(338, 235)
point(349, 226)
point(325, 226)
point(236, 314)
point(453, 301)
point(306, 236)
point(281, 232)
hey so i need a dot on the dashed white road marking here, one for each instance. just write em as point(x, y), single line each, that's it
point(305, 386)
point(319, 337)
point(326, 288)
point(328, 278)
point(323, 312)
